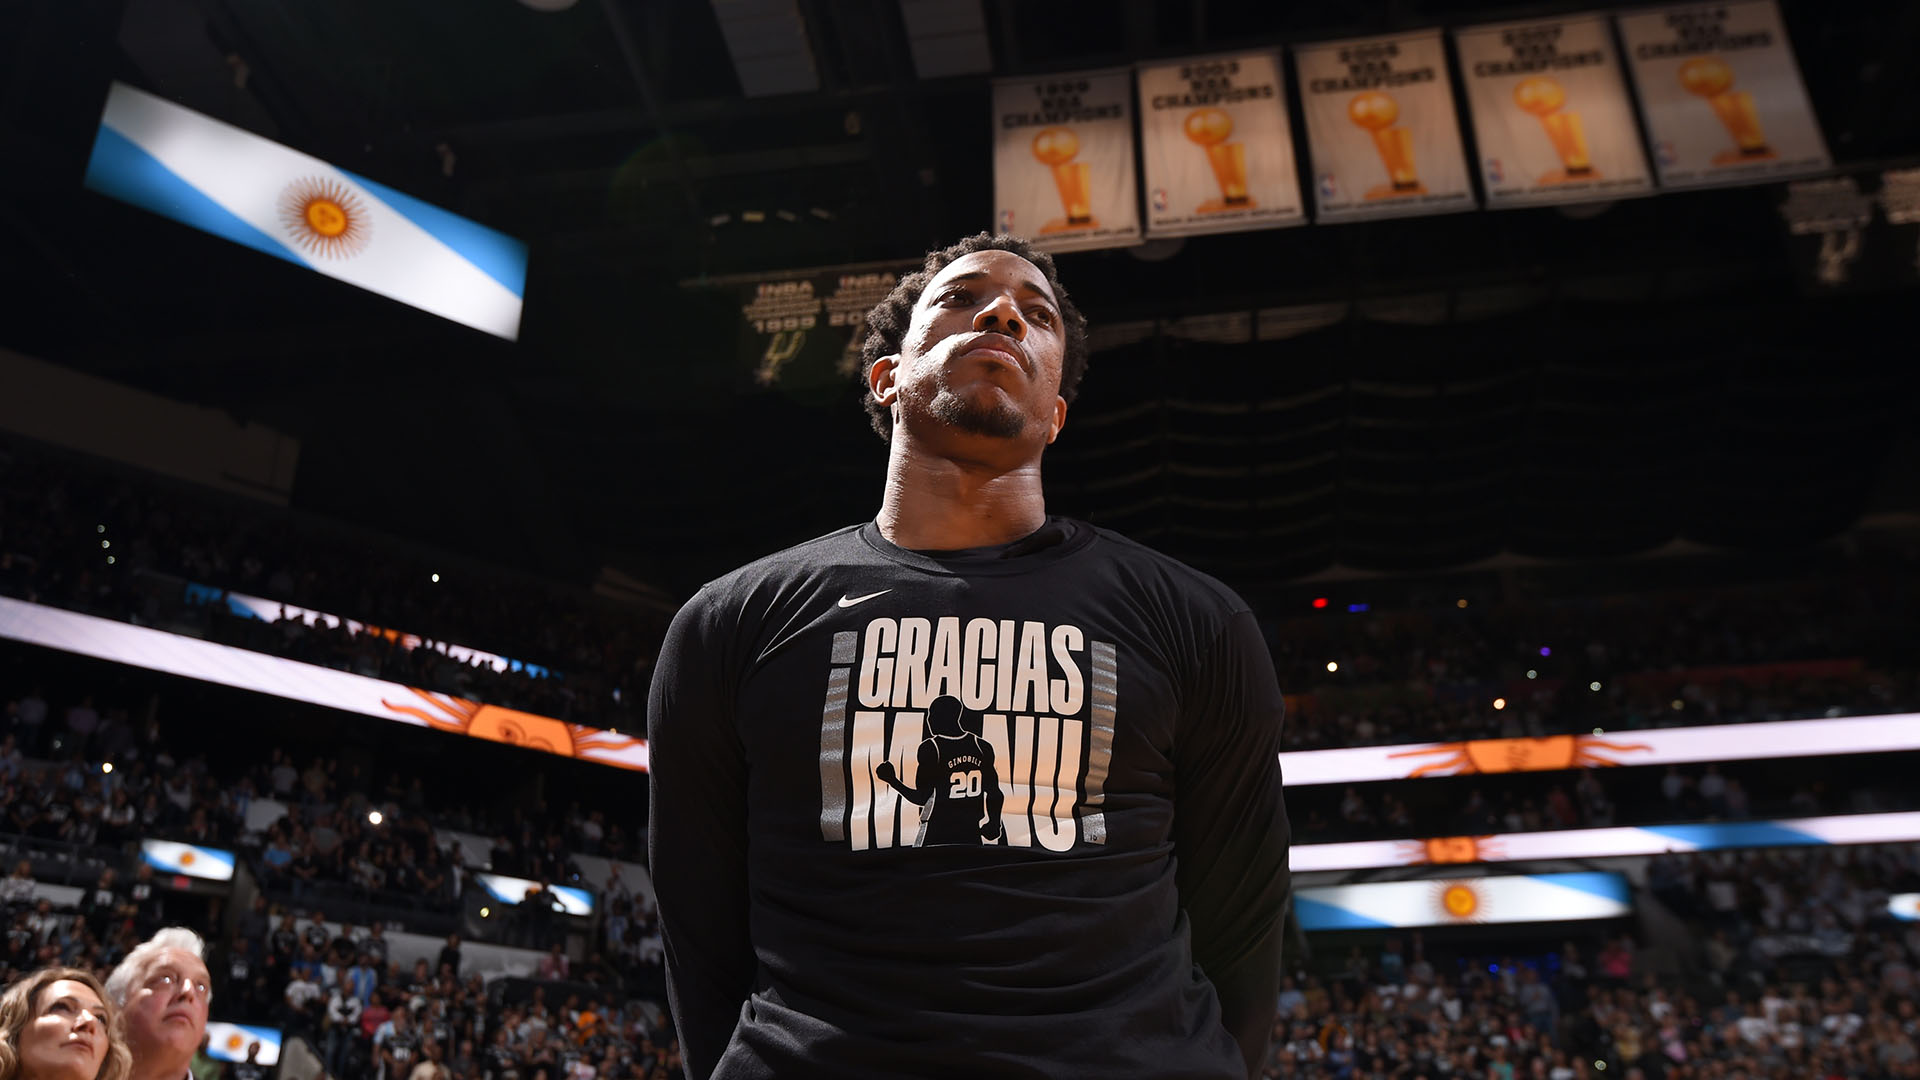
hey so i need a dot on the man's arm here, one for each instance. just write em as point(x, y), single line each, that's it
point(1230, 830)
point(697, 834)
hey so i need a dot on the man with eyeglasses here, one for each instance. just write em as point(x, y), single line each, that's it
point(162, 990)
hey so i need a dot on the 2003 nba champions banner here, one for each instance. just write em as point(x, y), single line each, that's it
point(1381, 129)
point(213, 176)
point(1551, 117)
point(1216, 146)
point(1722, 95)
point(1063, 160)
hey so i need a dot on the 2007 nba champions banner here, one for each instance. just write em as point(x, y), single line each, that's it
point(1551, 117)
point(1063, 160)
point(234, 184)
point(1722, 95)
point(1216, 146)
point(1381, 129)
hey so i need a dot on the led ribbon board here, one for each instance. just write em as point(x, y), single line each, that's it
point(229, 1042)
point(157, 650)
point(169, 857)
point(1660, 746)
point(236, 185)
point(1609, 843)
point(255, 607)
point(513, 890)
point(1456, 901)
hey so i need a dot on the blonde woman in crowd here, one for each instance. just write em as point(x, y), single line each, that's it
point(56, 1024)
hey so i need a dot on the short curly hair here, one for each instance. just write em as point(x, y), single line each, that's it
point(888, 321)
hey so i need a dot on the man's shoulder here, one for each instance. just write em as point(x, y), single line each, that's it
point(800, 560)
point(1149, 565)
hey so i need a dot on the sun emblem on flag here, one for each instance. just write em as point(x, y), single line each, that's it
point(1458, 900)
point(325, 217)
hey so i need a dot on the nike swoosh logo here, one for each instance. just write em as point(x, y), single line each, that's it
point(849, 601)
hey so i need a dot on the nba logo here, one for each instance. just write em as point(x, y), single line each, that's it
point(1328, 186)
point(1495, 174)
point(1006, 221)
point(1664, 151)
point(1160, 198)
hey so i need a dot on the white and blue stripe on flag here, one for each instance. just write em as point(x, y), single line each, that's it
point(172, 857)
point(215, 177)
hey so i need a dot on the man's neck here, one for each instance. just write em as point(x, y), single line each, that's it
point(937, 502)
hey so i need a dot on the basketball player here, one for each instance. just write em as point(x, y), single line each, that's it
point(1119, 708)
point(961, 799)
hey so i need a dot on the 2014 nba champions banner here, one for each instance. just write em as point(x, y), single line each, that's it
point(234, 184)
point(1722, 95)
point(1381, 129)
point(1551, 117)
point(1217, 147)
point(1063, 160)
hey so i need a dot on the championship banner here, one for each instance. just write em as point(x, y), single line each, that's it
point(1063, 160)
point(1593, 894)
point(236, 185)
point(1381, 129)
point(1551, 117)
point(1217, 147)
point(804, 329)
point(1722, 95)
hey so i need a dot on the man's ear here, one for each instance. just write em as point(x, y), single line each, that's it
point(880, 379)
point(1059, 419)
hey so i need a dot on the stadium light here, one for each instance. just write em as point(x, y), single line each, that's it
point(1333, 665)
point(1499, 703)
point(374, 817)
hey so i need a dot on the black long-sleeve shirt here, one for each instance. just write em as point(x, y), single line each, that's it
point(830, 908)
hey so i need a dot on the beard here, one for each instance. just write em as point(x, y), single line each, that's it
point(975, 415)
point(999, 421)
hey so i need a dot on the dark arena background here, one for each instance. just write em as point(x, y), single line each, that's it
point(1584, 531)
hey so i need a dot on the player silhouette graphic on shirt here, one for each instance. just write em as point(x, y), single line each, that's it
point(959, 787)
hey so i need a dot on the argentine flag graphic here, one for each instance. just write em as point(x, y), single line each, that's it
point(170, 857)
point(213, 176)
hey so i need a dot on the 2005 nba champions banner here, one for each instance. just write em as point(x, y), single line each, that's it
point(1722, 95)
point(1063, 160)
point(234, 184)
point(1551, 117)
point(1217, 147)
point(1381, 129)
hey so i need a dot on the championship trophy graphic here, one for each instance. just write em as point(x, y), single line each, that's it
point(1711, 78)
point(1209, 130)
point(1055, 147)
point(1376, 112)
point(1545, 98)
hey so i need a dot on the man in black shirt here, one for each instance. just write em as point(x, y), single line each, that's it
point(1094, 880)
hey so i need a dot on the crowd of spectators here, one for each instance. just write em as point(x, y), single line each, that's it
point(368, 1015)
point(1417, 674)
point(1794, 970)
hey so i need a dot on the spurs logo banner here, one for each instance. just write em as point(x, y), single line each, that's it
point(1381, 129)
point(1063, 160)
point(1551, 117)
point(1216, 146)
point(1722, 95)
point(991, 732)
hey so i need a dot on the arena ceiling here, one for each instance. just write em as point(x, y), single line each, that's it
point(1403, 395)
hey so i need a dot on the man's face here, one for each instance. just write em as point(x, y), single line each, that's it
point(166, 1014)
point(980, 363)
